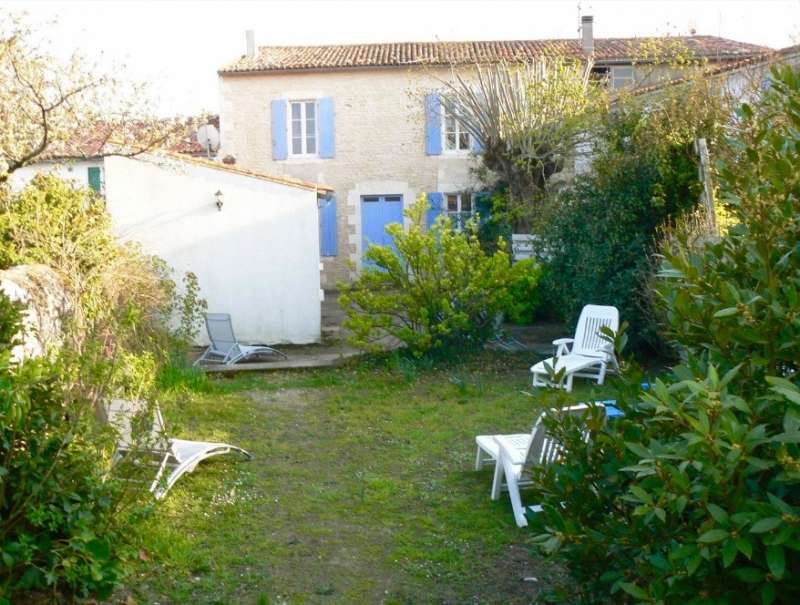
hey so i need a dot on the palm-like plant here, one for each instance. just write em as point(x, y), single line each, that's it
point(527, 116)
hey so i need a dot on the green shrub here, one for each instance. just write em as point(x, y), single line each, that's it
point(598, 237)
point(64, 513)
point(60, 519)
point(694, 496)
point(737, 300)
point(524, 293)
point(118, 294)
point(434, 289)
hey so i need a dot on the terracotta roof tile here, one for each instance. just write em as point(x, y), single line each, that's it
point(400, 54)
point(180, 135)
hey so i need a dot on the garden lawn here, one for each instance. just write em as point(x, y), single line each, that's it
point(362, 489)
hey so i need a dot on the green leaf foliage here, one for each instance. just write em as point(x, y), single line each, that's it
point(434, 289)
point(59, 529)
point(599, 232)
point(695, 492)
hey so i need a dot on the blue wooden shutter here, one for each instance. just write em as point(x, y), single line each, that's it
point(280, 149)
point(327, 227)
point(435, 201)
point(93, 175)
point(433, 125)
point(327, 132)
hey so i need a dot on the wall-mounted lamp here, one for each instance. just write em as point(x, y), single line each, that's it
point(220, 199)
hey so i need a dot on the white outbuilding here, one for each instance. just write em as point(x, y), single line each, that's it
point(252, 239)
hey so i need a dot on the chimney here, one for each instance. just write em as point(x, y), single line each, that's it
point(587, 35)
point(251, 42)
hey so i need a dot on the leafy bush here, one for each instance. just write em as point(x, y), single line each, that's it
point(598, 237)
point(63, 511)
point(523, 290)
point(600, 231)
point(433, 289)
point(119, 295)
point(694, 496)
point(60, 519)
point(737, 299)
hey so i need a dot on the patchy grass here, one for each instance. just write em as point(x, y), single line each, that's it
point(362, 489)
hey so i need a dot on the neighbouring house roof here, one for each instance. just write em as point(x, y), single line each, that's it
point(752, 62)
point(281, 180)
point(402, 54)
point(180, 136)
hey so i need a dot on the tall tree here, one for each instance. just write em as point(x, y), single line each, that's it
point(66, 109)
point(528, 118)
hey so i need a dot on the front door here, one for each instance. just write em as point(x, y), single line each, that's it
point(377, 211)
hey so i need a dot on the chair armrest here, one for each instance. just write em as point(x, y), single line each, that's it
point(608, 350)
point(562, 345)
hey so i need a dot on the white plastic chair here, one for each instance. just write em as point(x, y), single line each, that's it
point(176, 456)
point(513, 461)
point(588, 355)
point(224, 347)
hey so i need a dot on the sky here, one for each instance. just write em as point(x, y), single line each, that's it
point(177, 46)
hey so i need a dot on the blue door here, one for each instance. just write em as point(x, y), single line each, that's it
point(377, 211)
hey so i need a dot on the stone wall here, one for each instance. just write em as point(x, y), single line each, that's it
point(42, 291)
point(380, 149)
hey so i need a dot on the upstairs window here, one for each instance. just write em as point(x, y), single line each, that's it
point(456, 138)
point(303, 129)
point(616, 77)
point(600, 75)
point(621, 77)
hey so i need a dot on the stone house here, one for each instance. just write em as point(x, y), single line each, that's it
point(365, 119)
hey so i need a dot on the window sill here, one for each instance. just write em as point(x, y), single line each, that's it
point(457, 154)
point(304, 159)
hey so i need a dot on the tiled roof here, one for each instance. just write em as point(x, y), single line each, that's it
point(178, 134)
point(399, 54)
point(754, 61)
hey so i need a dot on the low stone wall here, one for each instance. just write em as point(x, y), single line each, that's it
point(42, 291)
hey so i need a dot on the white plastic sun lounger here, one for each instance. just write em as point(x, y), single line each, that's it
point(488, 448)
point(513, 460)
point(588, 355)
point(173, 457)
point(224, 346)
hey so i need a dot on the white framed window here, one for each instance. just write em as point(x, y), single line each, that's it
point(615, 77)
point(460, 208)
point(455, 138)
point(303, 128)
point(622, 77)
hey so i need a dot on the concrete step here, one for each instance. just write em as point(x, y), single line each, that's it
point(331, 334)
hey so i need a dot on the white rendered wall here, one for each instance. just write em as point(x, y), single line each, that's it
point(257, 258)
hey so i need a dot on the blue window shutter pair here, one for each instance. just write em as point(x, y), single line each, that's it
point(436, 206)
point(433, 125)
point(476, 144)
point(327, 227)
point(280, 128)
